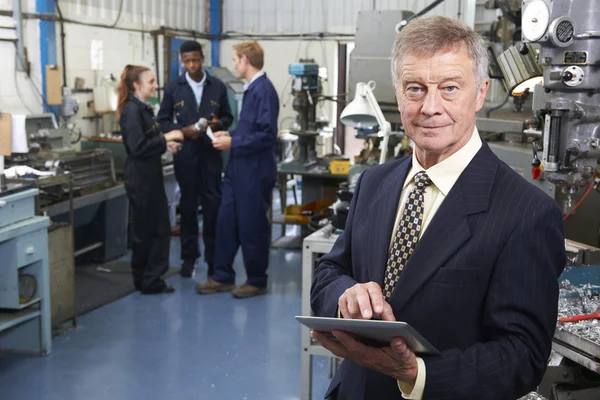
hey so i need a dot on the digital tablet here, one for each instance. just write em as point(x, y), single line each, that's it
point(372, 332)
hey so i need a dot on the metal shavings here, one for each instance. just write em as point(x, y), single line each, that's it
point(576, 300)
point(533, 396)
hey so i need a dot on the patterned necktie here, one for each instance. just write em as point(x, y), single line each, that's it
point(407, 235)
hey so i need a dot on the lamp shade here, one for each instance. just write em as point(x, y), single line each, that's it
point(521, 71)
point(359, 113)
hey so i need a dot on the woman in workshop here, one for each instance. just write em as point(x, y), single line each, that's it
point(144, 145)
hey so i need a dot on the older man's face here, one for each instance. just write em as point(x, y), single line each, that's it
point(437, 101)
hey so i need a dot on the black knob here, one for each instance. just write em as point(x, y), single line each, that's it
point(524, 50)
point(567, 76)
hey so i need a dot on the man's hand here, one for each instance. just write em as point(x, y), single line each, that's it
point(222, 140)
point(365, 301)
point(213, 120)
point(191, 132)
point(396, 361)
point(173, 147)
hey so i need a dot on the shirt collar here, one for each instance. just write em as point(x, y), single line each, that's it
point(140, 99)
point(255, 77)
point(445, 174)
point(193, 82)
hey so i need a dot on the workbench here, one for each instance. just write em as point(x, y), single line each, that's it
point(315, 186)
point(25, 322)
point(100, 218)
point(313, 247)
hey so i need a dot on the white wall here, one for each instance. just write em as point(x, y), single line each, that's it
point(339, 16)
point(120, 47)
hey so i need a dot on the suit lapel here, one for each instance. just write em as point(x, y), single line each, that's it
point(382, 214)
point(449, 228)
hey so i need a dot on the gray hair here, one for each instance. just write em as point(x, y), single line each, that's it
point(431, 35)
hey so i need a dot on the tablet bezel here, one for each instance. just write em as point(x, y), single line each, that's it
point(375, 330)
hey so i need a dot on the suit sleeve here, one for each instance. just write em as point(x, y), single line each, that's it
point(263, 134)
point(225, 114)
point(333, 274)
point(519, 312)
point(138, 143)
point(165, 114)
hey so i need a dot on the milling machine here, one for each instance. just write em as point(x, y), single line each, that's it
point(307, 91)
point(563, 38)
point(567, 106)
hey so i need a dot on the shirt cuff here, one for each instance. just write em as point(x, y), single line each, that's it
point(417, 391)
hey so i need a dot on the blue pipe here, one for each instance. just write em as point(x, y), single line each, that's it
point(215, 29)
point(47, 47)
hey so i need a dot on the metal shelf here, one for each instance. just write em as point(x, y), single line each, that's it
point(30, 303)
point(10, 319)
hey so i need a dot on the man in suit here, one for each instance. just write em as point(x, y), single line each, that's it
point(450, 240)
point(198, 165)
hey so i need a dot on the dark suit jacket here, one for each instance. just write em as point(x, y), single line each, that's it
point(481, 285)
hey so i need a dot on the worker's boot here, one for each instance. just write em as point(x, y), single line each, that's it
point(245, 291)
point(212, 286)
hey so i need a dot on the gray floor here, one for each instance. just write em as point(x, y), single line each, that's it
point(178, 346)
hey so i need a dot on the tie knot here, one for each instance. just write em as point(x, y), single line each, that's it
point(422, 180)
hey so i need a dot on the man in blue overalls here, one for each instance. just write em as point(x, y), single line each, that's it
point(249, 181)
point(198, 165)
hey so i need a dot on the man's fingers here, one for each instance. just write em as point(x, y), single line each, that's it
point(324, 339)
point(387, 314)
point(364, 303)
point(343, 305)
point(353, 308)
point(348, 342)
point(401, 350)
point(376, 297)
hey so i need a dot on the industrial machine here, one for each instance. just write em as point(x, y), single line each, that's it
point(557, 64)
point(314, 137)
point(370, 62)
point(50, 150)
point(567, 106)
point(76, 187)
point(545, 127)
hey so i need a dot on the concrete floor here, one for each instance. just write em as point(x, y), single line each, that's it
point(178, 346)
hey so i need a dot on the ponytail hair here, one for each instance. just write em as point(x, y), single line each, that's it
point(131, 74)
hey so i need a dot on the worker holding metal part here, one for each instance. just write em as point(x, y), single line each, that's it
point(450, 240)
point(193, 103)
point(249, 181)
point(144, 144)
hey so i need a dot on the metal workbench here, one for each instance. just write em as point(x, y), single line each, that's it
point(24, 276)
point(100, 218)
